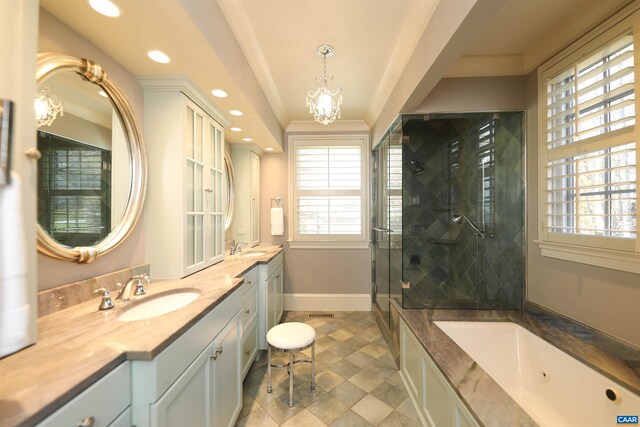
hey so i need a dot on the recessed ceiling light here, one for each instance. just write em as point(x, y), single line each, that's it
point(103, 93)
point(105, 7)
point(268, 149)
point(247, 139)
point(235, 129)
point(236, 112)
point(158, 56)
point(219, 93)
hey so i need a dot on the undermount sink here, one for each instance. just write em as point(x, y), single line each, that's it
point(252, 254)
point(159, 304)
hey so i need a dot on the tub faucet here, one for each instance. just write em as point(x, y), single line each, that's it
point(236, 249)
point(139, 281)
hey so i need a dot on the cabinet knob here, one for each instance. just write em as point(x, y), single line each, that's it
point(87, 422)
point(219, 350)
point(208, 190)
point(247, 311)
point(248, 352)
point(278, 276)
point(214, 356)
point(248, 282)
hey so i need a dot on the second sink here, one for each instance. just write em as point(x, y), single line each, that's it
point(252, 254)
point(159, 304)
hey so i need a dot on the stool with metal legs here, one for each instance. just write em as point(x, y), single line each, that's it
point(290, 338)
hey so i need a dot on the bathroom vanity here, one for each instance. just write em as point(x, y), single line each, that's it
point(91, 368)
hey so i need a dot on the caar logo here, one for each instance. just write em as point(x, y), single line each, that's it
point(629, 420)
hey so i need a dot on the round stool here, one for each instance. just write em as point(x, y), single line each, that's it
point(290, 338)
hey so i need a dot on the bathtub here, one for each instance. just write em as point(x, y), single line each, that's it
point(551, 386)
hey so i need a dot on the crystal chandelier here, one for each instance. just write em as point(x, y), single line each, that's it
point(47, 107)
point(324, 99)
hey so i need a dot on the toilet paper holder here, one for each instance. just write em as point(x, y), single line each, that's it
point(6, 138)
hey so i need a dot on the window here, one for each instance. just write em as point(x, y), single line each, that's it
point(329, 189)
point(74, 194)
point(587, 192)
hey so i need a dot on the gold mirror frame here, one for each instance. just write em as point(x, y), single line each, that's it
point(230, 178)
point(52, 63)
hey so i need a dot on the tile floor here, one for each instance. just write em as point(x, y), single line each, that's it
point(357, 382)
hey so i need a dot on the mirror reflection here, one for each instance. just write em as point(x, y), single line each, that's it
point(84, 172)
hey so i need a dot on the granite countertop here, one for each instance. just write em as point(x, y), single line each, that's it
point(488, 402)
point(80, 344)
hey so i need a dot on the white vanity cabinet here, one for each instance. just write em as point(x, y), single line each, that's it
point(249, 318)
point(196, 381)
point(271, 297)
point(184, 206)
point(246, 222)
point(436, 402)
point(105, 403)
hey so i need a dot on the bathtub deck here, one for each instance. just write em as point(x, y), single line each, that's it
point(488, 402)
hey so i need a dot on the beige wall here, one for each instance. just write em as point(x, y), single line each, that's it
point(54, 36)
point(475, 94)
point(604, 299)
point(309, 271)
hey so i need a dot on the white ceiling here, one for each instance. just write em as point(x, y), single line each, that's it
point(374, 41)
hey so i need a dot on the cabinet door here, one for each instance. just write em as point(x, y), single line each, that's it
point(214, 205)
point(225, 376)
point(255, 199)
point(271, 298)
point(194, 144)
point(278, 295)
point(185, 402)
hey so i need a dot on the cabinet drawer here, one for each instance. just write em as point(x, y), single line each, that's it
point(249, 306)
point(104, 401)
point(273, 265)
point(249, 348)
point(251, 278)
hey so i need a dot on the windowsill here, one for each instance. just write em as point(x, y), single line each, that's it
point(301, 244)
point(606, 258)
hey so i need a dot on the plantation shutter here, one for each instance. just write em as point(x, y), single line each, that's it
point(329, 191)
point(590, 148)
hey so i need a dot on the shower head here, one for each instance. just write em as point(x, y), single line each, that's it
point(416, 168)
point(458, 219)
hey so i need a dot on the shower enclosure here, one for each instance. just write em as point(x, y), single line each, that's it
point(448, 212)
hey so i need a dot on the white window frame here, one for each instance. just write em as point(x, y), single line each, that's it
point(360, 241)
point(613, 253)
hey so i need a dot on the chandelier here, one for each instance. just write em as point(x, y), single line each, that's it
point(47, 107)
point(324, 99)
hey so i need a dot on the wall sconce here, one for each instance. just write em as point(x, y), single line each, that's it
point(47, 107)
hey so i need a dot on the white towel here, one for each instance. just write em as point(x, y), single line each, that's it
point(277, 222)
point(14, 304)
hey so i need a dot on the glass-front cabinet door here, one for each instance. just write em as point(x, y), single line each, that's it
point(204, 213)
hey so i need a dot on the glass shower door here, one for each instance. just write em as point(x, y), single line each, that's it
point(387, 220)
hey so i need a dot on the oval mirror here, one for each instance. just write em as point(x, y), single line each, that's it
point(230, 180)
point(92, 171)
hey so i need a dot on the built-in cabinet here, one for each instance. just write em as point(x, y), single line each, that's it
point(246, 222)
point(436, 402)
point(184, 206)
point(197, 380)
point(271, 297)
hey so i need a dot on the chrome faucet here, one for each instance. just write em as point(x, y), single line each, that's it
point(139, 281)
point(236, 249)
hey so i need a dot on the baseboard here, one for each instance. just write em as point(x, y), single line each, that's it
point(327, 302)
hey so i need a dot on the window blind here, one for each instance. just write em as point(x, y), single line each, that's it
point(329, 190)
point(590, 144)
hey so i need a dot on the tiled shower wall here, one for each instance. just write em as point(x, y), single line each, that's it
point(470, 165)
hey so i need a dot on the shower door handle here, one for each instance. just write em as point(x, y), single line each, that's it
point(382, 229)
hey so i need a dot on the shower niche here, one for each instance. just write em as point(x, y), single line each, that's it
point(448, 212)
